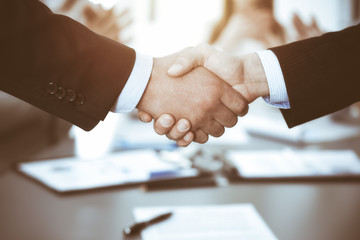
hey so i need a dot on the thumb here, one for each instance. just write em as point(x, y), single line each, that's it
point(187, 60)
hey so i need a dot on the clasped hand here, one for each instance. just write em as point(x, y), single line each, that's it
point(198, 92)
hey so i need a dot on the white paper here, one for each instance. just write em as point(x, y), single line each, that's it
point(317, 131)
point(68, 174)
point(289, 163)
point(212, 222)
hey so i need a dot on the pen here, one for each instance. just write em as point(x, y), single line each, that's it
point(137, 227)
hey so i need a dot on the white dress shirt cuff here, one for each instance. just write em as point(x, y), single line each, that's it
point(278, 93)
point(136, 84)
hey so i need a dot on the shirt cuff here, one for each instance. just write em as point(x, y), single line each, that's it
point(136, 84)
point(278, 93)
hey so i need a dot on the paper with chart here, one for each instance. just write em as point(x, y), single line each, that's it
point(211, 222)
point(128, 167)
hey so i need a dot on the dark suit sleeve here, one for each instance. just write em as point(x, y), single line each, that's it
point(58, 65)
point(322, 74)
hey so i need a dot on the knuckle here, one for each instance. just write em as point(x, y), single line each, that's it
point(242, 108)
point(207, 106)
point(203, 138)
point(169, 136)
point(159, 129)
point(209, 102)
point(182, 143)
point(232, 122)
point(218, 132)
point(175, 135)
point(244, 111)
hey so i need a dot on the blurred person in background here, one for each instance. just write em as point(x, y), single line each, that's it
point(247, 25)
point(250, 25)
point(106, 22)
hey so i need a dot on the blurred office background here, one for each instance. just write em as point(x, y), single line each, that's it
point(157, 28)
point(161, 27)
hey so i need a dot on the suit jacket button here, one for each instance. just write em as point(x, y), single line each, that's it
point(61, 92)
point(52, 88)
point(80, 99)
point(70, 95)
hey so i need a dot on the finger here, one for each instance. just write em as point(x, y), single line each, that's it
point(214, 128)
point(225, 117)
point(123, 13)
point(236, 102)
point(186, 140)
point(144, 116)
point(187, 60)
point(163, 124)
point(111, 29)
point(181, 128)
point(106, 18)
point(89, 14)
point(201, 136)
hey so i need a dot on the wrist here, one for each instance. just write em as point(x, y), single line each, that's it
point(254, 77)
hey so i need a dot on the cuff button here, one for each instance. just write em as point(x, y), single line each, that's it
point(52, 88)
point(70, 95)
point(61, 92)
point(80, 99)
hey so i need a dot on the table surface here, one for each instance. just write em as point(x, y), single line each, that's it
point(298, 210)
point(328, 210)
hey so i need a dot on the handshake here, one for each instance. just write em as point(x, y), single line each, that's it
point(199, 91)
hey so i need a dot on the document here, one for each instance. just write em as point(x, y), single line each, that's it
point(209, 222)
point(295, 163)
point(129, 167)
point(314, 132)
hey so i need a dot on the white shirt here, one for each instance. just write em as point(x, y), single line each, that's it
point(276, 82)
point(136, 84)
point(140, 75)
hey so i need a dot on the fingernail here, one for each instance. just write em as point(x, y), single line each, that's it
point(183, 126)
point(174, 69)
point(188, 137)
point(166, 121)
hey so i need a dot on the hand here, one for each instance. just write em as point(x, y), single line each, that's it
point(304, 31)
point(107, 22)
point(209, 103)
point(245, 74)
point(180, 132)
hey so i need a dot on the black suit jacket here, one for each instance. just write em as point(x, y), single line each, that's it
point(322, 74)
point(58, 65)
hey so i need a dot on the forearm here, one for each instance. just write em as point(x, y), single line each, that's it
point(39, 48)
point(321, 74)
point(255, 82)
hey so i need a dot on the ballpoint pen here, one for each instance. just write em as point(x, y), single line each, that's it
point(137, 227)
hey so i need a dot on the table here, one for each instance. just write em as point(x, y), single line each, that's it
point(328, 210)
point(298, 210)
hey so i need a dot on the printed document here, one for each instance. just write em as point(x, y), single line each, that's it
point(209, 222)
